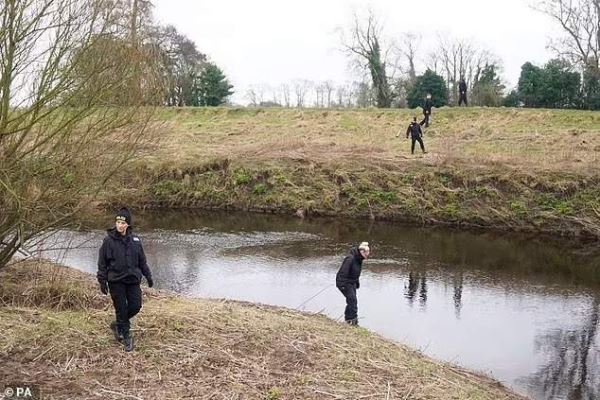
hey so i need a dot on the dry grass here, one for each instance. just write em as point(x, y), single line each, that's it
point(206, 349)
point(504, 169)
point(526, 139)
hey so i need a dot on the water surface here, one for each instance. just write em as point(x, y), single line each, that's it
point(521, 309)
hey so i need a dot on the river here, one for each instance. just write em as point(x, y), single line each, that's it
point(521, 309)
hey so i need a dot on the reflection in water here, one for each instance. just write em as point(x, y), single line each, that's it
point(457, 283)
point(573, 358)
point(524, 311)
point(417, 283)
point(413, 284)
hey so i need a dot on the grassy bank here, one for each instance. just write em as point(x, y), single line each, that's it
point(55, 334)
point(531, 170)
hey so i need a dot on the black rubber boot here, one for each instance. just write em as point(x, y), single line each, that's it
point(115, 330)
point(353, 322)
point(128, 342)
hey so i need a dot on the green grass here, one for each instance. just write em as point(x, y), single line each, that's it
point(498, 168)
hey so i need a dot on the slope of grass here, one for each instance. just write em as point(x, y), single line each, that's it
point(55, 334)
point(533, 170)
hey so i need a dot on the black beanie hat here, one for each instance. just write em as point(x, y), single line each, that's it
point(124, 215)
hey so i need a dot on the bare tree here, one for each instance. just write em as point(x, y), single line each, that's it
point(434, 62)
point(261, 90)
point(129, 18)
point(256, 94)
point(301, 88)
point(182, 63)
point(580, 22)
point(275, 99)
point(319, 94)
point(252, 97)
point(70, 112)
point(285, 93)
point(363, 94)
point(328, 87)
point(457, 58)
point(580, 44)
point(365, 46)
point(408, 48)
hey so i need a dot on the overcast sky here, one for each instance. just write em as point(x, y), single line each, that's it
point(276, 41)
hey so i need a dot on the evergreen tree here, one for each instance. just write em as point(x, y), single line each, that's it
point(511, 99)
point(530, 83)
point(555, 85)
point(561, 85)
point(431, 83)
point(212, 86)
point(487, 91)
point(591, 88)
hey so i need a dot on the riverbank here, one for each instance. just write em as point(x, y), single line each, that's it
point(55, 335)
point(502, 169)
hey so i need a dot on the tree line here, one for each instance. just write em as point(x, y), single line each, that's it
point(79, 83)
point(188, 78)
point(388, 66)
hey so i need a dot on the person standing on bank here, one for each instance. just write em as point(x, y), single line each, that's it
point(427, 106)
point(347, 280)
point(462, 92)
point(416, 134)
point(121, 264)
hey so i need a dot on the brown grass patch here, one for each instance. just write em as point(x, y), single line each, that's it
point(208, 349)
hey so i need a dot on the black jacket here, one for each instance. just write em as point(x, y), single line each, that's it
point(462, 87)
point(415, 130)
point(122, 259)
point(349, 272)
point(427, 106)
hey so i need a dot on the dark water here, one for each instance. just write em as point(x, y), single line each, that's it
point(523, 310)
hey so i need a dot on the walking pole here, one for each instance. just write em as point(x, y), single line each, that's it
point(399, 130)
point(310, 298)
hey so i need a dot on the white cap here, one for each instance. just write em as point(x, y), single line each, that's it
point(364, 246)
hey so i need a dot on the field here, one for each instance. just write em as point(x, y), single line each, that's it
point(496, 168)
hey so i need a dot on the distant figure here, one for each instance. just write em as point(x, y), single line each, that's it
point(347, 280)
point(427, 110)
point(416, 134)
point(462, 95)
point(121, 264)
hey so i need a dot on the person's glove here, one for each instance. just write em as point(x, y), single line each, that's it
point(103, 287)
point(150, 281)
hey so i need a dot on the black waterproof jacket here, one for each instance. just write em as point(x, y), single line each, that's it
point(427, 106)
point(122, 259)
point(462, 87)
point(414, 129)
point(349, 272)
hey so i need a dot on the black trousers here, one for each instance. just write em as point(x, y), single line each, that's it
point(349, 292)
point(425, 120)
point(414, 140)
point(462, 97)
point(127, 300)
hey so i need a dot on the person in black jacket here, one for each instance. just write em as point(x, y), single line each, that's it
point(416, 134)
point(462, 92)
point(427, 105)
point(347, 280)
point(121, 264)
